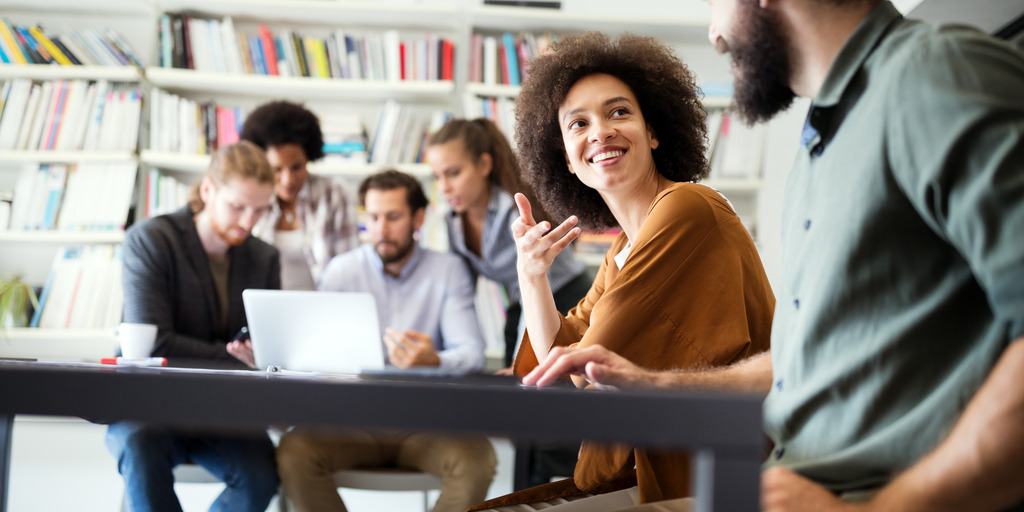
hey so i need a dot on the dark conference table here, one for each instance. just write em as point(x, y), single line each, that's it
point(723, 431)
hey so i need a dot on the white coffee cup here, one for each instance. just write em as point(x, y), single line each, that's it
point(136, 340)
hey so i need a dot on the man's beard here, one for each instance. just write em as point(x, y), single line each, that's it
point(401, 251)
point(226, 234)
point(761, 62)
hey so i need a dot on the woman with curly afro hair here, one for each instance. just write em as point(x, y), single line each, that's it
point(611, 133)
point(311, 218)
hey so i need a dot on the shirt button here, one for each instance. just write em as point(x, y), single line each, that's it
point(778, 384)
point(807, 224)
point(817, 150)
point(796, 303)
point(779, 452)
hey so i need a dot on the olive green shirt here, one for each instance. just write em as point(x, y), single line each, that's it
point(903, 243)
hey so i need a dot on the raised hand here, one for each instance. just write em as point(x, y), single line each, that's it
point(538, 244)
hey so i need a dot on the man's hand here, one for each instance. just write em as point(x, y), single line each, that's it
point(783, 490)
point(596, 364)
point(410, 348)
point(242, 350)
point(536, 246)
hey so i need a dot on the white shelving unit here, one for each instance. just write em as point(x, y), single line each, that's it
point(321, 89)
point(58, 344)
point(62, 237)
point(197, 164)
point(48, 72)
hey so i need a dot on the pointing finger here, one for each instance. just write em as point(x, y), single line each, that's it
point(525, 209)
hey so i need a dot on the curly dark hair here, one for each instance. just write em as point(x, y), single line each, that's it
point(668, 99)
point(282, 122)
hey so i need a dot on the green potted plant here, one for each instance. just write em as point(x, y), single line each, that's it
point(15, 298)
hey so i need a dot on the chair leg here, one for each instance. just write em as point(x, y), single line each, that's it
point(426, 501)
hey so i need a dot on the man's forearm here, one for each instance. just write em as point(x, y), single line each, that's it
point(752, 375)
point(979, 466)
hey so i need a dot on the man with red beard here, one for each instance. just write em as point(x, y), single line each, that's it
point(184, 272)
point(425, 308)
point(893, 381)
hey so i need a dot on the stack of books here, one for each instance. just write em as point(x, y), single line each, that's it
point(69, 115)
point(83, 290)
point(215, 46)
point(505, 59)
point(164, 194)
point(29, 45)
point(344, 138)
point(182, 125)
point(402, 133)
point(79, 197)
point(501, 110)
point(735, 150)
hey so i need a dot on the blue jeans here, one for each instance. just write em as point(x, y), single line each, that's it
point(146, 455)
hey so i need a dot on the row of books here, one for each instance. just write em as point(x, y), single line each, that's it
point(501, 110)
point(83, 289)
point(79, 197)
point(164, 194)
point(30, 45)
point(215, 46)
point(736, 150)
point(182, 125)
point(504, 59)
point(186, 126)
point(69, 115)
point(402, 133)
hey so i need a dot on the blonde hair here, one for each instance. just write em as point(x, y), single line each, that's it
point(239, 160)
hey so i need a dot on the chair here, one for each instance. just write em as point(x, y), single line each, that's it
point(388, 479)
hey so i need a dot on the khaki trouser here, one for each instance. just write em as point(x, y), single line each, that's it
point(307, 460)
point(619, 501)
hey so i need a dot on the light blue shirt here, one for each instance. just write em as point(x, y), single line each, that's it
point(433, 294)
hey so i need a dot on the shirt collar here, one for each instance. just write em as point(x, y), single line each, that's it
point(855, 52)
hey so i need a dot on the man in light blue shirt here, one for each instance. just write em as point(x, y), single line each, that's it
point(424, 298)
point(426, 310)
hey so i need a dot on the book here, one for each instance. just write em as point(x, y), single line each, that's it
point(269, 50)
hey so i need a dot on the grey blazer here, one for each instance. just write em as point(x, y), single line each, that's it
point(167, 282)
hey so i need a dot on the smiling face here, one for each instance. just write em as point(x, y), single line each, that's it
point(607, 142)
point(289, 164)
point(462, 181)
point(761, 65)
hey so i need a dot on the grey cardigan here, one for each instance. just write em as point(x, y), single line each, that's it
point(167, 282)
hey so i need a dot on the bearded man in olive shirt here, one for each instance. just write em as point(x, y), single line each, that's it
point(893, 379)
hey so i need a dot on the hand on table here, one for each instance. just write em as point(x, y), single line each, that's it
point(410, 348)
point(782, 490)
point(242, 350)
point(596, 364)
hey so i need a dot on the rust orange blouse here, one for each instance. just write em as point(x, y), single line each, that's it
point(692, 293)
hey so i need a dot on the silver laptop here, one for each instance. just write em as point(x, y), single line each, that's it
point(328, 332)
